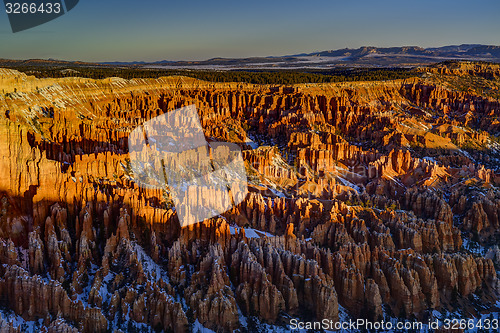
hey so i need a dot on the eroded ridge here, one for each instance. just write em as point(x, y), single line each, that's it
point(370, 199)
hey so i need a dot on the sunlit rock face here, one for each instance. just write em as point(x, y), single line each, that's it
point(374, 199)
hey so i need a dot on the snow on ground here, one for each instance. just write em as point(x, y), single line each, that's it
point(250, 233)
point(473, 247)
point(351, 185)
point(20, 323)
point(150, 267)
point(103, 291)
point(199, 328)
point(249, 141)
point(23, 256)
point(277, 193)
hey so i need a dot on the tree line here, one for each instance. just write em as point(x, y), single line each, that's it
point(256, 77)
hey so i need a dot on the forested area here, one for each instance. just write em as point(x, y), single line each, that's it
point(257, 77)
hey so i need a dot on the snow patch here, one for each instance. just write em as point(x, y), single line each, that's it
point(250, 233)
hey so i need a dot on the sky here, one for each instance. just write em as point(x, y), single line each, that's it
point(147, 30)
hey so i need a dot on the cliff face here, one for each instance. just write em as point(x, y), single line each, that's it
point(361, 196)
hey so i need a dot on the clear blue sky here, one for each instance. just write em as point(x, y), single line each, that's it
point(127, 30)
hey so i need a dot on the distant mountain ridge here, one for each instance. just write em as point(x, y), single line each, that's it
point(475, 50)
point(366, 56)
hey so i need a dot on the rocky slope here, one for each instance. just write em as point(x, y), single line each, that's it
point(377, 199)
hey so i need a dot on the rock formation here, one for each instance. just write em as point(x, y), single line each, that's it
point(376, 197)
